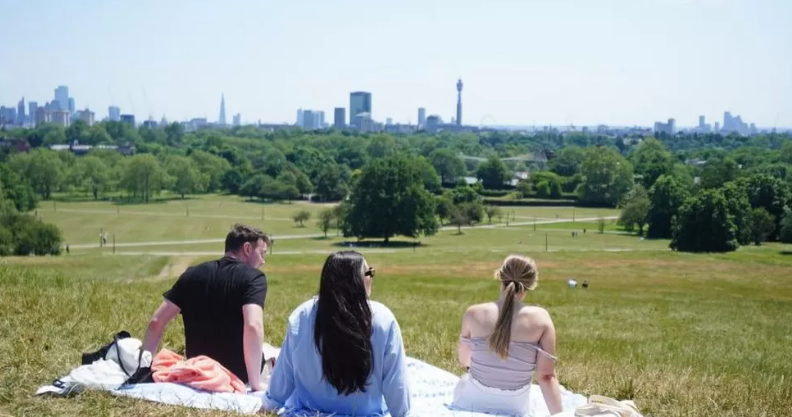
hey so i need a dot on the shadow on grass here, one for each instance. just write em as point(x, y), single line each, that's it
point(379, 244)
point(786, 252)
point(133, 202)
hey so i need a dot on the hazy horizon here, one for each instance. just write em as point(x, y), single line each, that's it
point(537, 62)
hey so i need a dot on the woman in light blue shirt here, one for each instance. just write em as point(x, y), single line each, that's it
point(343, 354)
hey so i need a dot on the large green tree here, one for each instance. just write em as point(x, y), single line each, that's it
point(704, 225)
point(144, 176)
point(769, 193)
point(568, 161)
point(635, 209)
point(492, 173)
point(665, 199)
point(92, 173)
point(608, 177)
point(42, 168)
point(719, 172)
point(331, 184)
point(447, 164)
point(213, 167)
point(186, 177)
point(390, 199)
point(762, 225)
point(651, 159)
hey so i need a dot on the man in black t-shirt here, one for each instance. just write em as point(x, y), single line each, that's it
point(221, 303)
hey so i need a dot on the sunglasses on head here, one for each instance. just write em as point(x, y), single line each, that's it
point(369, 273)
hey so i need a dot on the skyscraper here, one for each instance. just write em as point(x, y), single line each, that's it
point(320, 120)
point(702, 122)
point(359, 102)
point(421, 117)
point(114, 114)
point(339, 117)
point(32, 112)
point(459, 103)
point(222, 120)
point(308, 120)
point(21, 117)
point(72, 106)
point(62, 97)
point(237, 119)
point(300, 117)
point(86, 116)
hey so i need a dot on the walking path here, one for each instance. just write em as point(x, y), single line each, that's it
point(152, 213)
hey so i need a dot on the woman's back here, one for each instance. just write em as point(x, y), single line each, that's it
point(298, 382)
point(517, 369)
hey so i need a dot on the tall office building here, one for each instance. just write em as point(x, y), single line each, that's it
point(308, 120)
point(237, 119)
point(339, 117)
point(72, 106)
point(114, 114)
point(21, 117)
point(717, 127)
point(388, 121)
point(32, 113)
point(62, 97)
point(128, 118)
point(359, 102)
point(8, 115)
point(86, 116)
point(43, 115)
point(300, 117)
point(702, 122)
point(61, 118)
point(222, 119)
point(421, 117)
point(459, 103)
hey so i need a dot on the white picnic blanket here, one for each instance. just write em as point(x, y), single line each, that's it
point(432, 391)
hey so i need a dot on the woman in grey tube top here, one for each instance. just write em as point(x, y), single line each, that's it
point(504, 344)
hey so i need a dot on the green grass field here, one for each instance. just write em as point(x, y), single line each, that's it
point(681, 334)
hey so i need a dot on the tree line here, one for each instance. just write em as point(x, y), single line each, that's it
point(652, 180)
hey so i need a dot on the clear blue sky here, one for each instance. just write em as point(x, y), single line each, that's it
point(619, 62)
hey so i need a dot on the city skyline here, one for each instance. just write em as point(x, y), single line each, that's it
point(721, 56)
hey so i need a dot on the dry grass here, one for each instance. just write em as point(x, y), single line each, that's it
point(682, 335)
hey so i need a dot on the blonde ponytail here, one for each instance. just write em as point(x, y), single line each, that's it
point(517, 274)
point(501, 337)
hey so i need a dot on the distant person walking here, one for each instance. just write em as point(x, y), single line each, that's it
point(221, 302)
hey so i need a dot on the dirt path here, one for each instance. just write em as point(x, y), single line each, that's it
point(175, 266)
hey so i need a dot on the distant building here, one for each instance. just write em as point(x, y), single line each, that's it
point(717, 127)
point(86, 116)
point(43, 116)
point(433, 123)
point(61, 118)
point(668, 128)
point(363, 122)
point(8, 115)
point(359, 102)
point(62, 97)
point(308, 120)
point(388, 121)
point(128, 119)
point(72, 106)
point(339, 118)
point(421, 117)
point(459, 103)
point(319, 119)
point(703, 127)
point(150, 124)
point(732, 124)
point(237, 120)
point(300, 118)
point(114, 114)
point(222, 119)
point(21, 116)
point(32, 113)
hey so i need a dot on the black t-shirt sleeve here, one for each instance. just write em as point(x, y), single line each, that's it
point(255, 291)
point(178, 293)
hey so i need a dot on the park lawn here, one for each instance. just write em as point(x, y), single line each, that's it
point(681, 334)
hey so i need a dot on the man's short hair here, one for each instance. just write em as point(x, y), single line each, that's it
point(242, 233)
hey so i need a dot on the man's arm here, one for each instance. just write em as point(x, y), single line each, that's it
point(253, 340)
point(156, 326)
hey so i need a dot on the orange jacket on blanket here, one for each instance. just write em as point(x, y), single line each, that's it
point(200, 372)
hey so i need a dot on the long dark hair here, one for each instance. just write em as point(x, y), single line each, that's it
point(342, 333)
